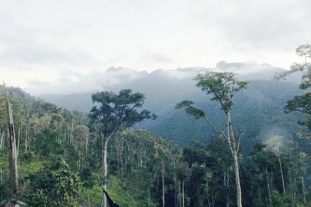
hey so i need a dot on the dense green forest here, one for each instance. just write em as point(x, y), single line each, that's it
point(66, 157)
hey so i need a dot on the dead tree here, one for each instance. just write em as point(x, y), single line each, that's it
point(13, 153)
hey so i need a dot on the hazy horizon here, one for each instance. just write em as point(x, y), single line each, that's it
point(99, 81)
point(44, 44)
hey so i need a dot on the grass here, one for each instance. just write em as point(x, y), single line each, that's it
point(122, 191)
point(119, 190)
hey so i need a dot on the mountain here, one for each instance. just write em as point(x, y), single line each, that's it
point(257, 110)
point(156, 83)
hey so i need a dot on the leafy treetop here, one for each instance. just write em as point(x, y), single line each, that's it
point(118, 110)
point(223, 87)
point(303, 51)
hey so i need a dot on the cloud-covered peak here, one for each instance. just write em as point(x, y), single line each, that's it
point(222, 65)
point(119, 76)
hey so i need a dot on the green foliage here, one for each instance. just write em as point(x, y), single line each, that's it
point(210, 173)
point(118, 109)
point(138, 159)
point(54, 185)
point(279, 200)
point(27, 157)
point(86, 178)
point(301, 103)
point(193, 111)
point(223, 86)
point(303, 51)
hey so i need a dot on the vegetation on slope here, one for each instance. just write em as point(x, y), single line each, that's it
point(145, 170)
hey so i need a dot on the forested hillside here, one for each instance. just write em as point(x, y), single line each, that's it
point(257, 110)
point(65, 156)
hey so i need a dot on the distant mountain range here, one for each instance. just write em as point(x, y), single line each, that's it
point(114, 79)
point(258, 110)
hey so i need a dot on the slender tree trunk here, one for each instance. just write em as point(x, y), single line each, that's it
point(175, 188)
point(12, 151)
point(85, 155)
point(78, 165)
point(237, 180)
point(179, 194)
point(18, 139)
point(148, 191)
point(183, 193)
point(71, 133)
point(303, 190)
point(234, 149)
point(2, 140)
point(158, 184)
point(1, 181)
point(291, 189)
point(268, 186)
point(105, 166)
point(163, 191)
point(26, 140)
point(282, 176)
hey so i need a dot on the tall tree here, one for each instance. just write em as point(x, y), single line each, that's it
point(81, 140)
point(114, 112)
point(274, 144)
point(13, 149)
point(301, 102)
point(223, 87)
point(303, 51)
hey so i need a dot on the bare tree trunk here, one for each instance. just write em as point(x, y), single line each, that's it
point(13, 153)
point(1, 181)
point(282, 176)
point(71, 133)
point(26, 140)
point(303, 190)
point(268, 186)
point(163, 191)
point(86, 147)
point(291, 189)
point(148, 192)
point(2, 140)
point(78, 165)
point(105, 167)
point(179, 194)
point(234, 147)
point(18, 139)
point(175, 188)
point(237, 180)
point(183, 193)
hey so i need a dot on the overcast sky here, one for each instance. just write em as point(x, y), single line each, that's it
point(46, 43)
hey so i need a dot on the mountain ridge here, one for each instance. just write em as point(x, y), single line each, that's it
point(114, 77)
point(262, 102)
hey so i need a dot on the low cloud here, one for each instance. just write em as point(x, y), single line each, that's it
point(150, 57)
point(34, 53)
point(37, 83)
point(90, 82)
point(72, 82)
point(255, 24)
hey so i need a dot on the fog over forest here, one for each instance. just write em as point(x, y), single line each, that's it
point(142, 103)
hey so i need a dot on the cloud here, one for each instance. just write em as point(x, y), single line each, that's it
point(149, 57)
point(47, 39)
point(29, 46)
point(72, 82)
point(255, 24)
point(37, 83)
point(36, 53)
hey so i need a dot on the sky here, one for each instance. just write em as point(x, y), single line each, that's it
point(51, 43)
